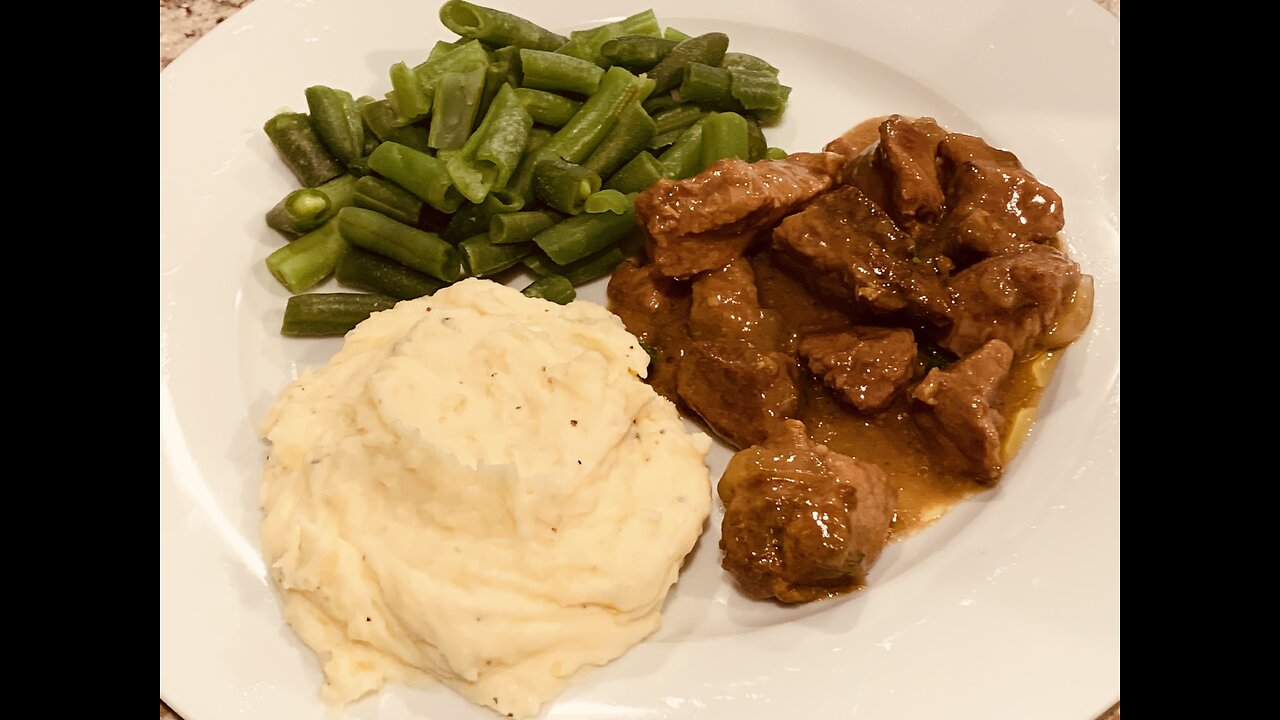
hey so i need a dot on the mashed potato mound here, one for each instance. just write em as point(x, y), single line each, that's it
point(479, 488)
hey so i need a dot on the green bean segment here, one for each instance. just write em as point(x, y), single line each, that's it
point(564, 185)
point(301, 149)
point(485, 258)
point(367, 271)
point(409, 246)
point(589, 126)
point(386, 197)
point(684, 158)
point(547, 108)
point(555, 288)
point(380, 117)
point(518, 227)
point(707, 49)
point(642, 171)
point(419, 173)
point(306, 209)
point(490, 156)
point(610, 200)
point(337, 121)
point(630, 134)
point(724, 135)
point(636, 53)
point(497, 28)
point(587, 44)
point(553, 71)
point(330, 314)
point(579, 236)
point(303, 263)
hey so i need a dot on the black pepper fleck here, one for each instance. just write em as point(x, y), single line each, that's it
point(579, 462)
point(368, 620)
point(573, 423)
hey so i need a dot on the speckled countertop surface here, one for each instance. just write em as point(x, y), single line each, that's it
point(182, 22)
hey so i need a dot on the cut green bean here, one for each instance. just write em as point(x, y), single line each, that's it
point(474, 219)
point(657, 142)
point(673, 34)
point(485, 258)
point(330, 314)
point(389, 199)
point(636, 53)
point(303, 263)
point(755, 89)
point(380, 117)
point(661, 101)
point(581, 235)
point(585, 130)
point(746, 62)
point(756, 144)
point(564, 185)
point(496, 75)
point(306, 209)
point(423, 251)
point(707, 49)
point(337, 121)
point(708, 86)
point(769, 118)
point(555, 288)
point(409, 97)
point(301, 149)
point(547, 108)
point(612, 201)
point(586, 44)
point(724, 135)
point(585, 270)
point(419, 173)
point(519, 189)
point(367, 271)
point(630, 134)
point(453, 113)
point(497, 28)
point(677, 118)
point(506, 228)
point(640, 173)
point(684, 158)
point(774, 153)
point(490, 156)
point(564, 73)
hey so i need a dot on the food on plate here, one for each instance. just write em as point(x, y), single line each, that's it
point(509, 118)
point(871, 326)
point(478, 488)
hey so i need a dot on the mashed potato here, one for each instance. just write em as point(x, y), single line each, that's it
point(478, 488)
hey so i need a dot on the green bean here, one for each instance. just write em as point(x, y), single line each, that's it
point(677, 118)
point(564, 185)
point(585, 270)
point(581, 235)
point(467, 57)
point(657, 142)
point(519, 189)
point(746, 62)
point(517, 227)
point(584, 131)
point(586, 44)
point(419, 173)
point(640, 173)
point(552, 71)
point(756, 144)
point(774, 153)
point(301, 148)
point(438, 53)
point(636, 53)
point(709, 86)
point(493, 151)
point(724, 135)
point(380, 117)
point(612, 201)
point(485, 258)
point(303, 263)
point(306, 209)
point(497, 28)
point(708, 49)
point(547, 108)
point(755, 89)
point(683, 159)
point(661, 101)
point(389, 199)
point(496, 75)
point(473, 219)
point(453, 113)
point(330, 314)
point(409, 96)
point(555, 288)
point(366, 271)
point(337, 121)
point(769, 118)
point(630, 134)
point(673, 34)
point(409, 246)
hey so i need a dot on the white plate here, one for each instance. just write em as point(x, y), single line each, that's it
point(1007, 608)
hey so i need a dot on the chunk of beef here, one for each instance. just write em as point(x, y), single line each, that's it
point(866, 365)
point(740, 391)
point(707, 220)
point(907, 156)
point(994, 204)
point(1016, 297)
point(956, 408)
point(848, 251)
point(725, 306)
point(802, 522)
point(655, 309)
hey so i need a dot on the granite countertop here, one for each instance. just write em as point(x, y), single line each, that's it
point(182, 22)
